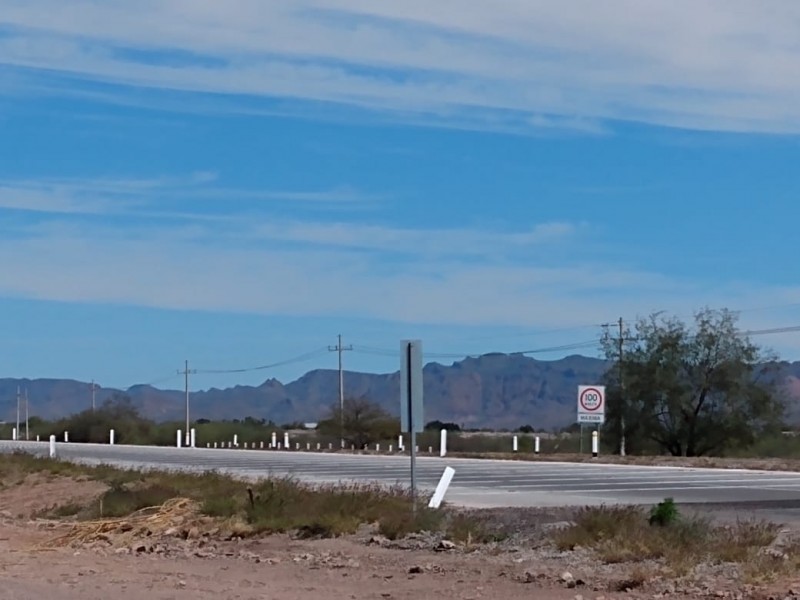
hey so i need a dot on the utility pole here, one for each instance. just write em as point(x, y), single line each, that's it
point(27, 414)
point(621, 388)
point(94, 390)
point(186, 373)
point(18, 397)
point(339, 349)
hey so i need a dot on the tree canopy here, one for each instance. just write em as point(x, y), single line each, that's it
point(362, 423)
point(692, 389)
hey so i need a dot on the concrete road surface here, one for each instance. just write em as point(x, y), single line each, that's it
point(477, 483)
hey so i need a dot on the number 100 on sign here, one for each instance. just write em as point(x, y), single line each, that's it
point(591, 403)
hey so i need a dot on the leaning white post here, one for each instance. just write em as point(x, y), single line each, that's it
point(595, 444)
point(235, 440)
point(443, 443)
point(52, 446)
point(441, 489)
point(515, 444)
point(111, 438)
point(178, 438)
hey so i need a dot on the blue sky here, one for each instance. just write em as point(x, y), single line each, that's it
point(236, 184)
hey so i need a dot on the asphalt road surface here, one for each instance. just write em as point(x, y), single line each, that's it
point(477, 483)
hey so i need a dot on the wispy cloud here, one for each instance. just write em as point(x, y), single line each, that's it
point(156, 197)
point(705, 64)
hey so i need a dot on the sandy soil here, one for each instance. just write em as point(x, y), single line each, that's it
point(280, 567)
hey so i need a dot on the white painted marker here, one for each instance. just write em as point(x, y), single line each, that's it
point(111, 437)
point(443, 443)
point(178, 439)
point(441, 489)
point(52, 446)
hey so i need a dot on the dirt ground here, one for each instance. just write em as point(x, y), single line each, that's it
point(279, 567)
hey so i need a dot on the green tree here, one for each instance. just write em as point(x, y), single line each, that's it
point(362, 423)
point(689, 390)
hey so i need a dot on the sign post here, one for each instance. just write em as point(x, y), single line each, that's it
point(411, 408)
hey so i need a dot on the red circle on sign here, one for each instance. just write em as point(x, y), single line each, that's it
point(599, 399)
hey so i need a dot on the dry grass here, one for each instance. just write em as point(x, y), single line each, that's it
point(269, 506)
point(623, 535)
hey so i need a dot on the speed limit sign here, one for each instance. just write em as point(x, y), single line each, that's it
point(591, 403)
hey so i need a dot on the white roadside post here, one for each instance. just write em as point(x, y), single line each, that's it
point(13, 434)
point(193, 436)
point(536, 445)
point(595, 444)
point(443, 443)
point(515, 444)
point(235, 440)
point(297, 445)
point(52, 446)
point(111, 438)
point(441, 489)
point(178, 439)
point(66, 437)
point(390, 449)
point(308, 446)
point(400, 443)
point(37, 438)
point(318, 446)
point(377, 447)
point(286, 440)
point(274, 443)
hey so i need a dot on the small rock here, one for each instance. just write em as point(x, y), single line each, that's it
point(566, 577)
point(171, 532)
point(121, 551)
point(578, 597)
point(445, 545)
point(378, 540)
point(182, 583)
point(415, 570)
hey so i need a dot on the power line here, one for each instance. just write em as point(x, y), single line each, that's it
point(301, 358)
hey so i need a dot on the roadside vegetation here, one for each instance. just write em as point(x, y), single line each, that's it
point(273, 505)
point(666, 542)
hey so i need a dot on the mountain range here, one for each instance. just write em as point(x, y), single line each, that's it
point(491, 391)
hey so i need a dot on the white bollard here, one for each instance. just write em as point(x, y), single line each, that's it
point(377, 447)
point(244, 445)
point(66, 437)
point(286, 439)
point(536, 445)
point(178, 438)
point(215, 444)
point(308, 446)
point(515, 444)
point(330, 446)
point(443, 443)
point(37, 438)
point(400, 443)
point(13, 434)
point(52, 446)
point(111, 437)
point(235, 440)
point(208, 444)
point(318, 446)
point(279, 445)
point(230, 445)
point(390, 449)
point(441, 489)
point(192, 437)
point(417, 449)
point(297, 445)
point(274, 443)
point(595, 444)
point(352, 447)
point(430, 449)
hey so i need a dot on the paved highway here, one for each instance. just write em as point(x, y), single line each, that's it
point(477, 483)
